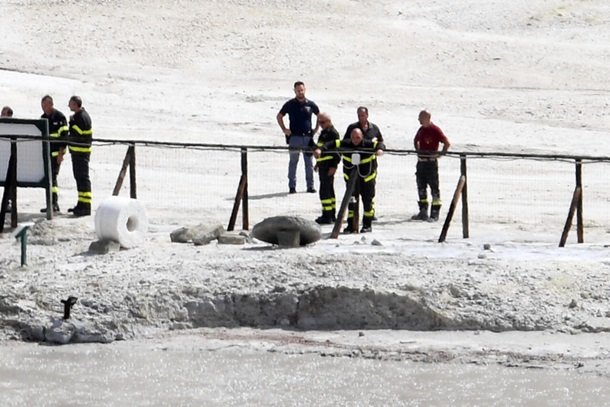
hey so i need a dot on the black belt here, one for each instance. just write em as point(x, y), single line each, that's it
point(426, 159)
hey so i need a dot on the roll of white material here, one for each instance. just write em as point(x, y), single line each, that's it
point(122, 220)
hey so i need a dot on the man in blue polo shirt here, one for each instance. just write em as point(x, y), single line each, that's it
point(299, 136)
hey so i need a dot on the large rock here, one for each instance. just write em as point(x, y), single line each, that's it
point(287, 231)
point(62, 332)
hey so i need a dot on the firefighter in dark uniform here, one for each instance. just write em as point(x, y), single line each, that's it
point(369, 130)
point(366, 172)
point(58, 133)
point(81, 134)
point(326, 165)
point(426, 143)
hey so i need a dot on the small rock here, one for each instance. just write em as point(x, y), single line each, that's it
point(204, 234)
point(231, 238)
point(573, 304)
point(486, 246)
point(104, 246)
point(376, 242)
point(181, 235)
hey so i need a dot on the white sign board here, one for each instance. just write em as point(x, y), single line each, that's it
point(32, 151)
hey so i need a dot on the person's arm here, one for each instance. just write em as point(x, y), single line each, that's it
point(446, 145)
point(330, 145)
point(379, 136)
point(63, 137)
point(379, 147)
point(315, 130)
point(348, 132)
point(280, 122)
point(445, 141)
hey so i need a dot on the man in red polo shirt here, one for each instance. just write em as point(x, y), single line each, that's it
point(426, 143)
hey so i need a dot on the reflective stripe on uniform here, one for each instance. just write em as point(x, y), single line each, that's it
point(85, 197)
point(328, 204)
point(368, 159)
point(80, 149)
point(82, 132)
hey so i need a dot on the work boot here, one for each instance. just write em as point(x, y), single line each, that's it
point(349, 228)
point(423, 212)
point(55, 209)
point(366, 224)
point(82, 211)
point(434, 213)
point(327, 218)
point(324, 220)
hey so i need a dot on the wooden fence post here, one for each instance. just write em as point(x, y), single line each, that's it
point(465, 218)
point(454, 201)
point(575, 206)
point(349, 190)
point(566, 228)
point(241, 195)
point(10, 189)
point(244, 210)
point(579, 216)
point(133, 190)
point(128, 161)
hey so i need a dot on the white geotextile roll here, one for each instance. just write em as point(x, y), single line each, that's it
point(122, 220)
